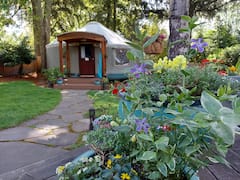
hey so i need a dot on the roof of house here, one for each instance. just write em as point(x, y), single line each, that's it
point(113, 39)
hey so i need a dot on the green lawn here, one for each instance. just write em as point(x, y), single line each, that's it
point(20, 101)
point(104, 103)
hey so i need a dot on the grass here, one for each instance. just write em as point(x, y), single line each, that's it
point(104, 103)
point(21, 101)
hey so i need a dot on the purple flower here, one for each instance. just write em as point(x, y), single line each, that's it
point(198, 44)
point(138, 69)
point(142, 125)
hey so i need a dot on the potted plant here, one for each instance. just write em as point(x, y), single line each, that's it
point(52, 75)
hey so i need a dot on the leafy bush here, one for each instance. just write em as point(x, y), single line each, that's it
point(12, 55)
point(231, 55)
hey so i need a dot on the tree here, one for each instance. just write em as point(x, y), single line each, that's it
point(41, 12)
point(196, 7)
point(207, 8)
point(177, 9)
point(118, 15)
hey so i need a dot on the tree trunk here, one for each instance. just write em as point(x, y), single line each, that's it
point(109, 15)
point(37, 25)
point(41, 27)
point(46, 31)
point(114, 15)
point(177, 9)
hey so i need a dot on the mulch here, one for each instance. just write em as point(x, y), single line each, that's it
point(35, 78)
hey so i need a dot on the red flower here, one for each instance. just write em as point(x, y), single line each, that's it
point(215, 60)
point(222, 72)
point(123, 90)
point(115, 91)
point(165, 128)
point(204, 61)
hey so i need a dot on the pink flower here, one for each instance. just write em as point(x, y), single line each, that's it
point(222, 73)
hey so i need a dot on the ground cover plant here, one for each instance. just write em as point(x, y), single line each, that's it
point(104, 102)
point(22, 100)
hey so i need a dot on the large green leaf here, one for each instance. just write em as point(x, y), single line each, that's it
point(191, 149)
point(135, 46)
point(185, 142)
point(236, 105)
point(186, 18)
point(162, 143)
point(148, 111)
point(148, 155)
point(223, 131)
point(130, 56)
point(154, 175)
point(162, 168)
point(171, 164)
point(151, 40)
point(210, 104)
point(145, 137)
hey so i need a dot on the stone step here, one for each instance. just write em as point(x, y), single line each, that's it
point(82, 86)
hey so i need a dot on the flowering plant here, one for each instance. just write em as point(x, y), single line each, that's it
point(179, 62)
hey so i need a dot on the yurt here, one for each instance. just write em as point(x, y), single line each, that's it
point(92, 51)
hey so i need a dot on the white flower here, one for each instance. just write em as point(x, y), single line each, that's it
point(79, 172)
point(90, 159)
point(84, 169)
point(84, 159)
point(97, 158)
point(67, 164)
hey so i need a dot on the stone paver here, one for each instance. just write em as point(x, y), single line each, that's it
point(21, 133)
point(44, 136)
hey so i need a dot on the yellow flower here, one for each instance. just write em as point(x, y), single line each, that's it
point(179, 62)
point(118, 156)
point(232, 68)
point(59, 170)
point(109, 163)
point(133, 138)
point(125, 176)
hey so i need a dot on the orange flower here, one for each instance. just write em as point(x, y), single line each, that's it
point(232, 68)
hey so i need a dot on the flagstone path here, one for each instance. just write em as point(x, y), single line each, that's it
point(43, 142)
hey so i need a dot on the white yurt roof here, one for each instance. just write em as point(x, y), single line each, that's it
point(114, 40)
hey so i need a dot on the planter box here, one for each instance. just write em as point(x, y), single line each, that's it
point(11, 70)
point(234, 78)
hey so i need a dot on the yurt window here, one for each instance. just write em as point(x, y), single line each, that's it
point(120, 57)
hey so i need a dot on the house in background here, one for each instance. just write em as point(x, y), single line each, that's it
point(92, 51)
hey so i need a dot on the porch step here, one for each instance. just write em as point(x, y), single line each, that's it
point(81, 80)
point(78, 86)
point(81, 84)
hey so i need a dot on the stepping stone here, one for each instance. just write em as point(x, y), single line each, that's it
point(21, 133)
point(63, 139)
point(81, 125)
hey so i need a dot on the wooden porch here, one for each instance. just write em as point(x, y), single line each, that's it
point(80, 84)
point(222, 172)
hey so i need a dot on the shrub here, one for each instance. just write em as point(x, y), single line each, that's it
point(231, 55)
point(12, 55)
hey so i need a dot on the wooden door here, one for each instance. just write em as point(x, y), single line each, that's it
point(86, 60)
